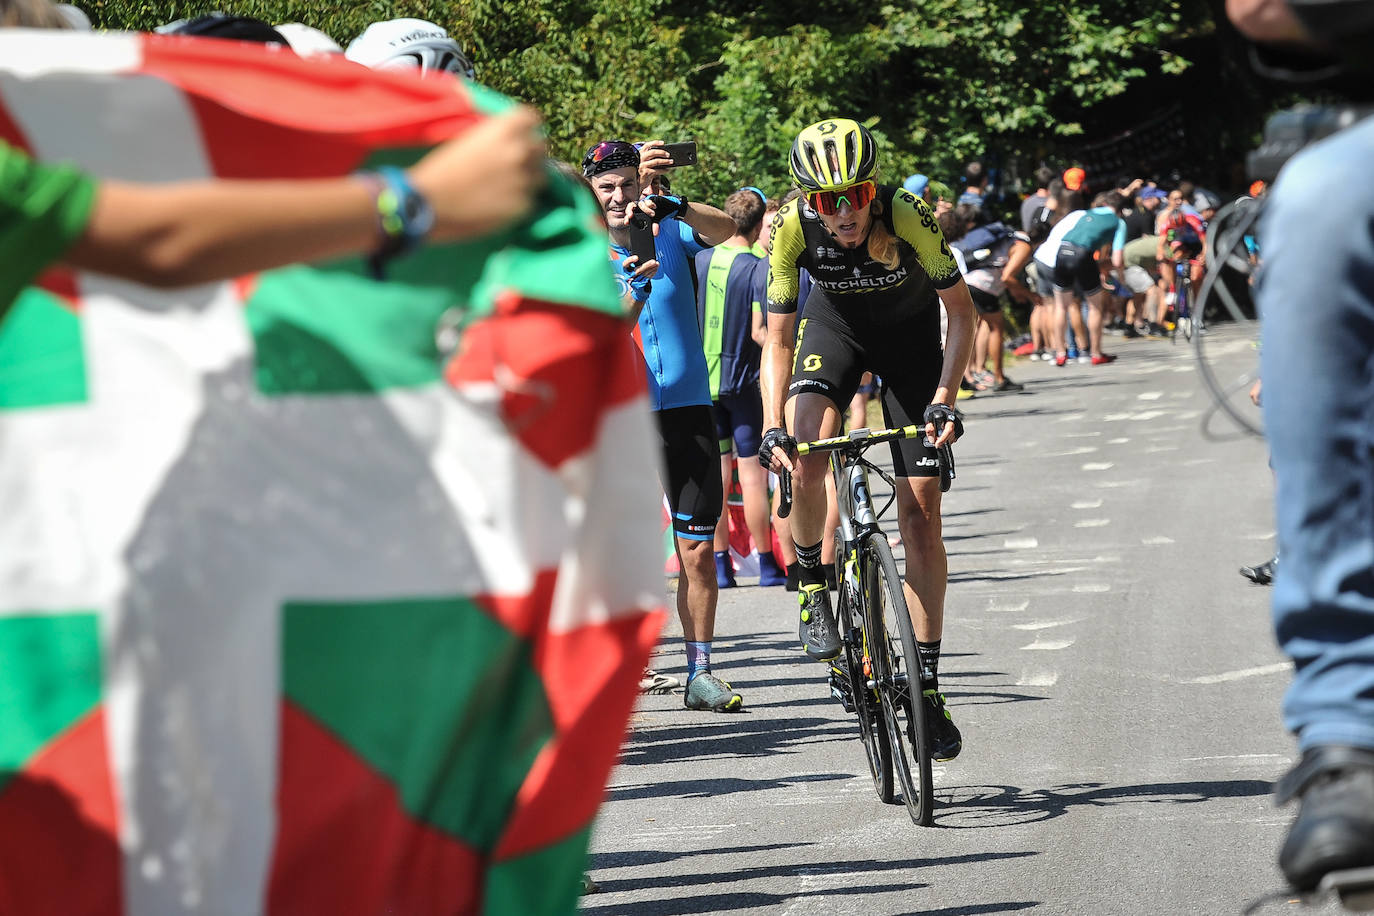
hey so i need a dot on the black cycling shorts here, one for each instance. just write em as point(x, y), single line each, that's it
point(691, 470)
point(907, 356)
point(1075, 266)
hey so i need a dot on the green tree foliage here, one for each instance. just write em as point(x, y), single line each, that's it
point(938, 81)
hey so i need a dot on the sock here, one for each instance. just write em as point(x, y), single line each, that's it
point(809, 560)
point(929, 653)
point(698, 659)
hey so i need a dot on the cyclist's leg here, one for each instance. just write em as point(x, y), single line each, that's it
point(824, 377)
point(825, 374)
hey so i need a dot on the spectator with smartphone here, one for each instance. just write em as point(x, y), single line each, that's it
point(679, 394)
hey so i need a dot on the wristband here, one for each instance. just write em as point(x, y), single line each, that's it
point(404, 217)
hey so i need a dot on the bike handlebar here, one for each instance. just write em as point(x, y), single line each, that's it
point(855, 443)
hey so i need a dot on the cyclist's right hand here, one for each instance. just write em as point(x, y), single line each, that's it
point(942, 425)
point(776, 450)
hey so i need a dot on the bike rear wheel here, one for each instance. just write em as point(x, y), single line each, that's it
point(897, 670)
point(872, 732)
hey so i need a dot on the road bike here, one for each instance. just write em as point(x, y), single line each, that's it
point(878, 665)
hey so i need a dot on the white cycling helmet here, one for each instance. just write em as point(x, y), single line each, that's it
point(398, 44)
point(306, 40)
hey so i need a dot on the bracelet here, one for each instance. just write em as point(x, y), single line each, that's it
point(404, 217)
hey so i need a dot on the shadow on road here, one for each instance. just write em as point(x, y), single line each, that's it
point(738, 737)
point(717, 787)
point(807, 870)
point(972, 807)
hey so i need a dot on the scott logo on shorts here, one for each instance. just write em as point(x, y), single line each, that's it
point(812, 363)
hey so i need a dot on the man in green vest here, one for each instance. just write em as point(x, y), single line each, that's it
point(730, 284)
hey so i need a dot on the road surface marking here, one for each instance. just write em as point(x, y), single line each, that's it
point(1150, 395)
point(1020, 543)
point(1098, 466)
point(1045, 624)
point(1156, 540)
point(1092, 588)
point(1093, 523)
point(1007, 607)
point(1121, 441)
point(1039, 679)
point(1242, 674)
point(1087, 504)
point(1047, 645)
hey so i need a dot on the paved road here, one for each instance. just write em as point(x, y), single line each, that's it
point(1116, 682)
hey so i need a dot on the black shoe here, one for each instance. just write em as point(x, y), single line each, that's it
point(792, 580)
point(1334, 830)
point(819, 635)
point(1008, 385)
point(1130, 332)
point(945, 740)
point(1262, 574)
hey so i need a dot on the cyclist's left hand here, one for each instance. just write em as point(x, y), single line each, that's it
point(943, 425)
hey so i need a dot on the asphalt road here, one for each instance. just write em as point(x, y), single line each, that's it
point(1115, 680)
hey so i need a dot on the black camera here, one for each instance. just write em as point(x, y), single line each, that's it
point(1289, 131)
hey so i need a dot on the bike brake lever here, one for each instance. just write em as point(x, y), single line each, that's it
point(785, 488)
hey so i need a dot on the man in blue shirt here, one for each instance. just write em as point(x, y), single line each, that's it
point(670, 340)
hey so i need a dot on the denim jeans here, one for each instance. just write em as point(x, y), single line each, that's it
point(1316, 297)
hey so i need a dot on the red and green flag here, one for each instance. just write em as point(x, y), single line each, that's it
point(318, 593)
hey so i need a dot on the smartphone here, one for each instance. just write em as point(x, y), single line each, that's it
point(642, 239)
point(682, 153)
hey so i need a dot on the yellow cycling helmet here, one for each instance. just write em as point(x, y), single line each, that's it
point(832, 154)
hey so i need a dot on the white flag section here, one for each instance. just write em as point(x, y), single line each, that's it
point(438, 605)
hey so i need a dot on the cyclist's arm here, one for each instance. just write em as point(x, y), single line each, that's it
point(784, 280)
point(914, 222)
point(963, 323)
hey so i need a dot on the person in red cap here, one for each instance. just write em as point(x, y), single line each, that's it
point(1074, 178)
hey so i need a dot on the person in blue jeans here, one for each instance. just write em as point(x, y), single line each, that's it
point(1316, 297)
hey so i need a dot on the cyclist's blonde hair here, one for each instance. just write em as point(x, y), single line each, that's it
point(31, 14)
point(882, 244)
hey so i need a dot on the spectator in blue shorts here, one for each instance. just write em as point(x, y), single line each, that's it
point(731, 283)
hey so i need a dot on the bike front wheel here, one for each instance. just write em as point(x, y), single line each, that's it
point(857, 661)
point(897, 671)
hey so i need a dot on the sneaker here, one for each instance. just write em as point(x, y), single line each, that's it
point(725, 570)
point(1084, 359)
point(984, 378)
point(1008, 385)
point(966, 385)
point(1262, 573)
point(706, 691)
point(653, 682)
point(1072, 353)
point(819, 635)
point(1103, 359)
point(1060, 360)
point(1130, 331)
point(1026, 349)
point(1334, 830)
point(770, 573)
point(945, 740)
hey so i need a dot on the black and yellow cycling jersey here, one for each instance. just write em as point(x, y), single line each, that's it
point(849, 280)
